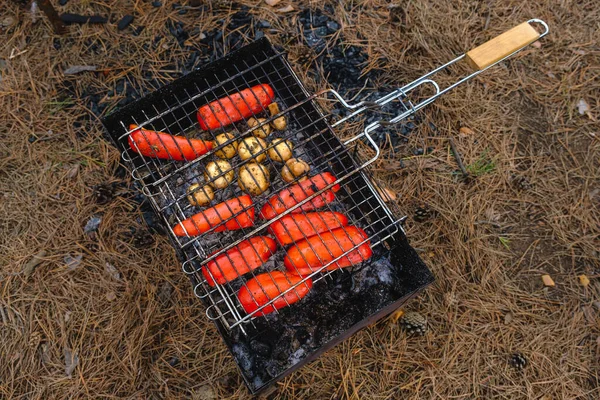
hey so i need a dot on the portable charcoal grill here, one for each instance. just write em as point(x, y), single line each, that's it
point(341, 301)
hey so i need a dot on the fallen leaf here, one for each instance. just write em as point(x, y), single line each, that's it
point(112, 271)
point(92, 226)
point(71, 361)
point(466, 131)
point(285, 9)
point(584, 280)
point(583, 107)
point(396, 316)
point(548, 281)
point(508, 317)
point(110, 296)
point(272, 3)
point(34, 262)
point(588, 312)
point(79, 68)
point(73, 261)
point(73, 171)
point(205, 392)
point(8, 21)
point(386, 194)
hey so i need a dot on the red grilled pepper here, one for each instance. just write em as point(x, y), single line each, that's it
point(293, 195)
point(232, 214)
point(294, 227)
point(245, 257)
point(308, 255)
point(166, 146)
point(236, 107)
point(265, 287)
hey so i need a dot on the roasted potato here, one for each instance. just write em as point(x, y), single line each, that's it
point(293, 169)
point(253, 178)
point(200, 195)
point(280, 150)
point(252, 148)
point(261, 132)
point(219, 174)
point(280, 122)
point(228, 151)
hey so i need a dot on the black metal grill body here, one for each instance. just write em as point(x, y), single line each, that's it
point(341, 302)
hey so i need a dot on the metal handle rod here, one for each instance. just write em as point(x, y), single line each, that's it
point(517, 44)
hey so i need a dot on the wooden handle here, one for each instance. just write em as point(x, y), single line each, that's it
point(501, 46)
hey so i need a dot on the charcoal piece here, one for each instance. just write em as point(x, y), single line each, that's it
point(138, 30)
point(125, 22)
point(63, 2)
point(260, 348)
point(321, 31)
point(157, 4)
point(333, 26)
point(69, 18)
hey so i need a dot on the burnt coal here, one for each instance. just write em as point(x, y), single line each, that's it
point(125, 22)
point(69, 18)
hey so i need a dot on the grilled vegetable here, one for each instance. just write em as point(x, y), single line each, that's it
point(294, 168)
point(253, 178)
point(165, 146)
point(219, 174)
point(228, 151)
point(235, 107)
point(308, 255)
point(261, 132)
point(293, 195)
point(252, 148)
point(236, 213)
point(243, 258)
point(200, 195)
point(280, 122)
point(280, 150)
point(265, 287)
point(294, 227)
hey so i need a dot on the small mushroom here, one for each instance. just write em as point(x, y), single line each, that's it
point(280, 150)
point(253, 178)
point(278, 123)
point(252, 148)
point(219, 174)
point(228, 151)
point(261, 132)
point(293, 169)
point(200, 195)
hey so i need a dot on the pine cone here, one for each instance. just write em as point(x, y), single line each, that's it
point(422, 214)
point(521, 182)
point(518, 361)
point(414, 323)
point(104, 193)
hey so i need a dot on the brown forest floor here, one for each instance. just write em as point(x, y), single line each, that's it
point(534, 209)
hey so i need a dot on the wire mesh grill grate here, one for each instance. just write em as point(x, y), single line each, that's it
point(166, 181)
